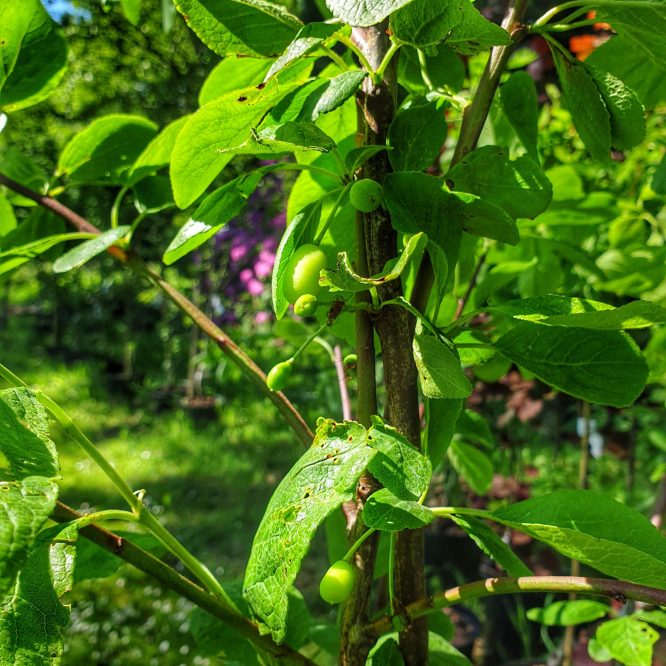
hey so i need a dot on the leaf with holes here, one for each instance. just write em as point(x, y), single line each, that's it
point(322, 479)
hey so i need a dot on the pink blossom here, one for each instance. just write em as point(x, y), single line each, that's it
point(262, 317)
point(254, 287)
point(263, 269)
point(246, 276)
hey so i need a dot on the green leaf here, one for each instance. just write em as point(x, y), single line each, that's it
point(569, 613)
point(132, 10)
point(597, 651)
point(442, 653)
point(226, 121)
point(152, 195)
point(299, 232)
point(284, 138)
point(603, 367)
point(424, 23)
point(79, 255)
point(25, 506)
point(106, 149)
point(398, 466)
point(627, 640)
point(441, 417)
point(583, 525)
point(322, 479)
point(587, 107)
point(518, 186)
point(519, 102)
point(641, 28)
point(655, 617)
point(491, 544)
point(157, 153)
point(659, 177)
point(336, 92)
point(33, 55)
point(364, 12)
point(474, 428)
point(343, 278)
point(384, 511)
point(417, 133)
point(22, 169)
point(480, 217)
point(642, 72)
point(419, 202)
point(7, 217)
point(385, 652)
point(556, 310)
point(233, 73)
point(240, 27)
point(214, 212)
point(25, 445)
point(443, 66)
point(627, 121)
point(309, 38)
point(356, 157)
point(41, 245)
point(31, 615)
point(475, 33)
point(439, 368)
point(472, 464)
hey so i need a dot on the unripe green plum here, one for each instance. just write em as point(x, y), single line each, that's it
point(306, 305)
point(301, 275)
point(278, 375)
point(366, 195)
point(338, 582)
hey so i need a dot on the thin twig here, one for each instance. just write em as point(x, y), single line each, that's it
point(342, 383)
point(223, 341)
point(470, 287)
point(614, 589)
point(171, 579)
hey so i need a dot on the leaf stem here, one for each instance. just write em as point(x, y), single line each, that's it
point(331, 215)
point(446, 511)
point(197, 568)
point(107, 514)
point(424, 70)
point(344, 39)
point(115, 208)
point(391, 573)
point(378, 74)
point(358, 543)
point(335, 58)
point(298, 166)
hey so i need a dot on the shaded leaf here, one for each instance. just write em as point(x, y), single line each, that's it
point(475, 33)
point(441, 417)
point(491, 544)
point(105, 150)
point(384, 511)
point(588, 111)
point(583, 525)
point(519, 102)
point(518, 186)
point(424, 23)
point(603, 367)
point(472, 464)
point(417, 133)
point(399, 466)
point(439, 368)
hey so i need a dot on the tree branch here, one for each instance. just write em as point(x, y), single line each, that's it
point(223, 341)
point(615, 589)
point(149, 564)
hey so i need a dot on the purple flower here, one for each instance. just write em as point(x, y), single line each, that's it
point(262, 317)
point(246, 276)
point(254, 287)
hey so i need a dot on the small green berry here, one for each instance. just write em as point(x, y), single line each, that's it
point(338, 582)
point(350, 360)
point(306, 305)
point(278, 375)
point(366, 195)
point(301, 275)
